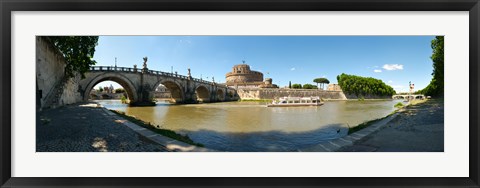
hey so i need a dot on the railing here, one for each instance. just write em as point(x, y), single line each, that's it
point(130, 70)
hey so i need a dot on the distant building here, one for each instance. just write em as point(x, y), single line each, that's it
point(162, 92)
point(334, 87)
point(161, 88)
point(243, 77)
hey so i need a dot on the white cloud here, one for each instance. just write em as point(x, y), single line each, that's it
point(377, 70)
point(375, 66)
point(392, 67)
point(390, 81)
point(185, 41)
point(292, 69)
point(324, 76)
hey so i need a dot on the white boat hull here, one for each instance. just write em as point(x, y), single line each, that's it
point(294, 104)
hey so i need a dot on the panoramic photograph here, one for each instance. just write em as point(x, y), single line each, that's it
point(239, 93)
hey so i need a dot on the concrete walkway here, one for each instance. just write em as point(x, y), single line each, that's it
point(89, 127)
point(417, 128)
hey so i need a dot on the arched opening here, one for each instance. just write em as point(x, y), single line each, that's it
point(111, 85)
point(231, 95)
point(108, 90)
point(162, 94)
point(220, 95)
point(175, 91)
point(202, 94)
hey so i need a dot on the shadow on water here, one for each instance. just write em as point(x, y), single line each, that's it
point(268, 141)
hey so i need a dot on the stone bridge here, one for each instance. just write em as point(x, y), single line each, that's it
point(413, 96)
point(140, 85)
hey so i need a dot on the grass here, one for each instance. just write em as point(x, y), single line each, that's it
point(366, 124)
point(398, 105)
point(361, 98)
point(164, 132)
point(415, 102)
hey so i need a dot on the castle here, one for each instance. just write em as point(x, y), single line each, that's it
point(242, 77)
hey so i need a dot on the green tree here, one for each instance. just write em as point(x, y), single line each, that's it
point(321, 81)
point(362, 86)
point(119, 90)
point(297, 86)
point(100, 88)
point(435, 87)
point(309, 86)
point(78, 52)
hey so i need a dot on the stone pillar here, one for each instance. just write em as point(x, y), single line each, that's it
point(144, 93)
point(189, 93)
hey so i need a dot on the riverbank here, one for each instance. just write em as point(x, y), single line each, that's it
point(418, 127)
point(88, 127)
point(411, 128)
point(164, 132)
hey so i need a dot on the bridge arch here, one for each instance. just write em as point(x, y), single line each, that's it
point(94, 96)
point(220, 95)
point(175, 88)
point(120, 79)
point(203, 94)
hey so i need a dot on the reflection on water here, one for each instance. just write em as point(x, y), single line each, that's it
point(250, 126)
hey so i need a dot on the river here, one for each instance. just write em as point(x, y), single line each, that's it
point(250, 126)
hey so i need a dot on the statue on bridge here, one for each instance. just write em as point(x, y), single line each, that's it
point(189, 75)
point(145, 62)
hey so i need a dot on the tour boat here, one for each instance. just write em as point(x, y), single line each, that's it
point(296, 101)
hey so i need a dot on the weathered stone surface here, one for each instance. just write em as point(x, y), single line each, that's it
point(51, 85)
point(140, 86)
point(269, 93)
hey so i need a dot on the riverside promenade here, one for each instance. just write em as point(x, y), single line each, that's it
point(417, 128)
point(87, 128)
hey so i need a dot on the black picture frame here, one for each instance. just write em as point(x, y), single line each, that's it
point(7, 6)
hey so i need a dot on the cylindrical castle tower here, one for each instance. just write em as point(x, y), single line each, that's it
point(242, 74)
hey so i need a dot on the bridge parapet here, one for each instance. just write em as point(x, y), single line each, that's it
point(140, 85)
point(133, 70)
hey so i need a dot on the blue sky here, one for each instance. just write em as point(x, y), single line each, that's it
point(394, 59)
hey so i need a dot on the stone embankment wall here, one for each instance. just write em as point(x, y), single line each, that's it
point(263, 93)
point(71, 92)
point(50, 69)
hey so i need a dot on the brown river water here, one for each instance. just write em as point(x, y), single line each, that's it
point(251, 126)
